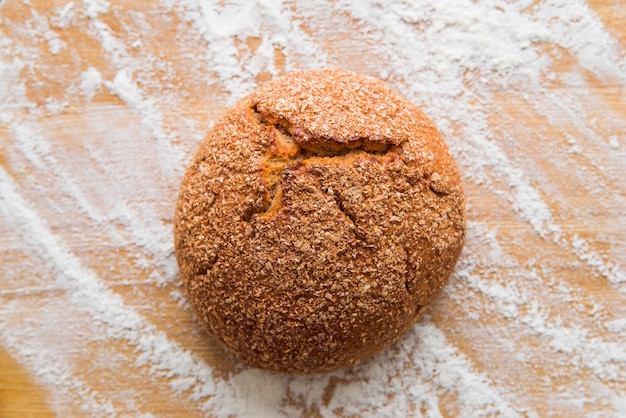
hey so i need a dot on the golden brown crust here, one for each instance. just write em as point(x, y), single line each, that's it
point(317, 220)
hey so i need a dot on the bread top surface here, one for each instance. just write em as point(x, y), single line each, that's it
point(338, 107)
point(317, 220)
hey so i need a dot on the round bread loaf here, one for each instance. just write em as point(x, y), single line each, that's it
point(318, 219)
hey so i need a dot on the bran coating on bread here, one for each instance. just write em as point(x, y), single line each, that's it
point(318, 219)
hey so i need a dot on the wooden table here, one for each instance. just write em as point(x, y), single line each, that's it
point(102, 104)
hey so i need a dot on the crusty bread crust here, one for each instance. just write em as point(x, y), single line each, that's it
point(318, 219)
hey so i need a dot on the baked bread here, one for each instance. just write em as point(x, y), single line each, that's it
point(318, 219)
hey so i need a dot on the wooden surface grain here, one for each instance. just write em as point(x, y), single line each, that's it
point(19, 395)
point(78, 181)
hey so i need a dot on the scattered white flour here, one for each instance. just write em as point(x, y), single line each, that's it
point(87, 225)
point(614, 142)
point(90, 82)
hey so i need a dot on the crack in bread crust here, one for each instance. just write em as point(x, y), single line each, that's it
point(288, 154)
point(349, 215)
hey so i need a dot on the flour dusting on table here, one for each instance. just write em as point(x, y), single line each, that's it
point(90, 299)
